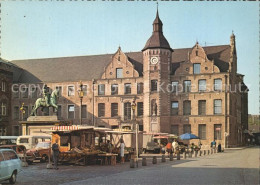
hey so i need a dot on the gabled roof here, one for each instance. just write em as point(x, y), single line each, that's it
point(68, 69)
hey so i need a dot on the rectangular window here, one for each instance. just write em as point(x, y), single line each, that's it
point(119, 73)
point(15, 92)
point(154, 85)
point(16, 113)
point(141, 128)
point(127, 111)
point(202, 107)
point(202, 85)
point(25, 92)
point(217, 106)
point(175, 108)
point(101, 110)
point(114, 109)
point(175, 129)
point(196, 68)
point(16, 130)
point(84, 111)
point(71, 90)
point(59, 112)
point(84, 89)
point(127, 88)
point(187, 86)
point(186, 129)
point(217, 84)
point(114, 89)
point(26, 112)
point(101, 89)
point(3, 109)
point(175, 86)
point(202, 131)
point(59, 88)
point(34, 92)
point(3, 86)
point(140, 88)
point(114, 127)
point(140, 109)
point(71, 111)
point(186, 107)
point(217, 131)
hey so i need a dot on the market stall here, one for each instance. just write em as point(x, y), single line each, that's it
point(129, 140)
point(80, 144)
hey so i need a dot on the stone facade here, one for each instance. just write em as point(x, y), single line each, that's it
point(209, 100)
point(6, 76)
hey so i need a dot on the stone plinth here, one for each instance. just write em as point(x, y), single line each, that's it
point(39, 125)
point(42, 118)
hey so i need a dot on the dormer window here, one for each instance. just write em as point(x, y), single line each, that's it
point(196, 68)
point(119, 73)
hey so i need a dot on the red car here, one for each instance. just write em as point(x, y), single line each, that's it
point(40, 152)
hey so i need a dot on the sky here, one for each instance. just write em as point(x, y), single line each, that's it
point(46, 29)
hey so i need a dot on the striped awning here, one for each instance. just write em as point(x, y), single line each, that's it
point(71, 128)
point(65, 128)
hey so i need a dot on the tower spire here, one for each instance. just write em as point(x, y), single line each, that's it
point(157, 40)
point(157, 14)
point(157, 23)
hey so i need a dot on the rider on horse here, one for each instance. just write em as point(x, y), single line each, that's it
point(46, 95)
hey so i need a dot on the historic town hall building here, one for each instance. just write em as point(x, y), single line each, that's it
point(195, 90)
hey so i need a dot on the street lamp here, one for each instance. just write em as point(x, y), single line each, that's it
point(81, 94)
point(136, 131)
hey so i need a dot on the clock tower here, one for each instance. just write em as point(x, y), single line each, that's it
point(157, 55)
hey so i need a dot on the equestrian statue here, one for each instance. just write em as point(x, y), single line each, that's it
point(48, 100)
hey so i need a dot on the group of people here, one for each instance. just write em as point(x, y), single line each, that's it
point(170, 147)
point(213, 145)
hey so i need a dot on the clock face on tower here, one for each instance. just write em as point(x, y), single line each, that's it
point(154, 60)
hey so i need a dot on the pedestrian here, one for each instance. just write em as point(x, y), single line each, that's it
point(199, 144)
point(122, 151)
point(169, 148)
point(55, 153)
point(109, 146)
point(175, 145)
point(213, 144)
point(219, 147)
point(162, 147)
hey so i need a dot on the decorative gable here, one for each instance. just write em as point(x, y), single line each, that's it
point(119, 67)
point(197, 60)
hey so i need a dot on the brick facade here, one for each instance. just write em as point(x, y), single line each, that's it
point(226, 117)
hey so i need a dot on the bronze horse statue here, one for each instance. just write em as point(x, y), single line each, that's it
point(41, 102)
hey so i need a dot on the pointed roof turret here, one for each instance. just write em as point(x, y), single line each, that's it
point(233, 43)
point(157, 40)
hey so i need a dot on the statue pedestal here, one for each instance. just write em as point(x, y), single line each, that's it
point(42, 118)
point(39, 125)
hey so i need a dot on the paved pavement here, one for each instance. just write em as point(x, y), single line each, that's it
point(236, 166)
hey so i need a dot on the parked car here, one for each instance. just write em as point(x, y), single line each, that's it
point(152, 147)
point(20, 151)
point(40, 152)
point(10, 165)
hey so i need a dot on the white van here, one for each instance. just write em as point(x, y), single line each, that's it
point(8, 140)
point(31, 141)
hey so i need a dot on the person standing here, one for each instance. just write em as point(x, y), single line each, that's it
point(213, 144)
point(122, 151)
point(55, 153)
point(175, 145)
point(169, 148)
